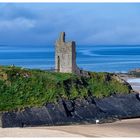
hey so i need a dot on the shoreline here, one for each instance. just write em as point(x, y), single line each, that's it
point(121, 128)
point(133, 81)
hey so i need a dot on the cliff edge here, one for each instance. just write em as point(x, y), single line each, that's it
point(35, 97)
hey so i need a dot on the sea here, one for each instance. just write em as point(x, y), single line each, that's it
point(99, 58)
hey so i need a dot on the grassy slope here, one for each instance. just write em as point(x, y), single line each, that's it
point(21, 88)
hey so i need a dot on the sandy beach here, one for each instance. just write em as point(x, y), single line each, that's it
point(123, 128)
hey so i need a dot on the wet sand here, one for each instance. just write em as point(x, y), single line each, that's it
point(124, 128)
point(133, 81)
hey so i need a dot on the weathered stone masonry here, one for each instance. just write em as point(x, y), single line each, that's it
point(65, 55)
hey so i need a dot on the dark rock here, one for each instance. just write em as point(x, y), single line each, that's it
point(123, 106)
point(0, 120)
point(76, 111)
point(138, 96)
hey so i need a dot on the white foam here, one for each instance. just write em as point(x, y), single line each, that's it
point(133, 80)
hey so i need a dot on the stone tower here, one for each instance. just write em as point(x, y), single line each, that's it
point(65, 55)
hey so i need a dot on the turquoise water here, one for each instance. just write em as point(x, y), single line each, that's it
point(94, 58)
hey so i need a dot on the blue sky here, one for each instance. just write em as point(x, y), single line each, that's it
point(87, 24)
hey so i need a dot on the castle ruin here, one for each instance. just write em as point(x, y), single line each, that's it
point(65, 55)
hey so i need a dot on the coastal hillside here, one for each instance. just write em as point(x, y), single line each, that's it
point(20, 88)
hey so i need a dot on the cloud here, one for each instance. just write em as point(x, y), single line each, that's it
point(90, 24)
point(13, 11)
point(18, 23)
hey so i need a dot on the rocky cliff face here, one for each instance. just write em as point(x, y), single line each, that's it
point(0, 120)
point(76, 111)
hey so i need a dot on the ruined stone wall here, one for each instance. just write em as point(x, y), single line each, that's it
point(65, 55)
point(74, 67)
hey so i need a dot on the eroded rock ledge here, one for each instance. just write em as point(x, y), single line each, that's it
point(76, 111)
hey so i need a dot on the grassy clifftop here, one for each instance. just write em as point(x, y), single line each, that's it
point(21, 88)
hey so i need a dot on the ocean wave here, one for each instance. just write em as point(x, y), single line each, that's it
point(93, 53)
point(87, 52)
point(37, 66)
point(134, 80)
point(108, 63)
point(26, 60)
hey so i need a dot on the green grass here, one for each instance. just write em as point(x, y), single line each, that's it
point(22, 88)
